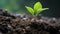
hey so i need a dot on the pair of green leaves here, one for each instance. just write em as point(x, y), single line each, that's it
point(37, 9)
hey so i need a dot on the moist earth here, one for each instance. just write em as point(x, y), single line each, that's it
point(13, 24)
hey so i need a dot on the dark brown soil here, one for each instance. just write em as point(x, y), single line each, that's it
point(12, 24)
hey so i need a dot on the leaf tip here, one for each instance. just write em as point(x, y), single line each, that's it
point(25, 6)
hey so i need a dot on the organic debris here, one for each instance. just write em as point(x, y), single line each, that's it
point(12, 24)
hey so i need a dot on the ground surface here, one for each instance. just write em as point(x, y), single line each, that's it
point(12, 24)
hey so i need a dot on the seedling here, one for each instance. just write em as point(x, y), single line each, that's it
point(37, 9)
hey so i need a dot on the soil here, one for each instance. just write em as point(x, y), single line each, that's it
point(12, 24)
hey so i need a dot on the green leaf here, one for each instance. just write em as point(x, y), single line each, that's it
point(30, 10)
point(37, 6)
point(41, 10)
point(38, 11)
point(45, 8)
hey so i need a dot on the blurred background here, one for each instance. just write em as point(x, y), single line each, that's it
point(18, 6)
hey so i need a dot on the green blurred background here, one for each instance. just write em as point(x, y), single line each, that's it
point(18, 6)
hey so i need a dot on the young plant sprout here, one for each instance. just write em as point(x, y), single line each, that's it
point(36, 10)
